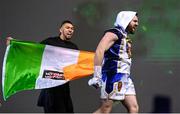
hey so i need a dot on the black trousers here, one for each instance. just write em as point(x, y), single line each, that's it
point(56, 100)
point(63, 108)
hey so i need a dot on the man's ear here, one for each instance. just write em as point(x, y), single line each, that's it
point(60, 30)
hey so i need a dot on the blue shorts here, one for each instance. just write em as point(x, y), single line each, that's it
point(116, 85)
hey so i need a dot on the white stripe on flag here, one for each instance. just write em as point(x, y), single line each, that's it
point(55, 59)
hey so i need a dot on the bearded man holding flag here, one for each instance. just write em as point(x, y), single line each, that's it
point(48, 66)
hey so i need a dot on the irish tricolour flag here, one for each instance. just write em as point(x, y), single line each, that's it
point(30, 65)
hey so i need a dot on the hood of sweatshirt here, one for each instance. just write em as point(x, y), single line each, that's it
point(124, 18)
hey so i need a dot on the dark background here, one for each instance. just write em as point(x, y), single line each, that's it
point(156, 55)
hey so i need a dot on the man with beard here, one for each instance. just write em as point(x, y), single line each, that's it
point(112, 64)
point(58, 99)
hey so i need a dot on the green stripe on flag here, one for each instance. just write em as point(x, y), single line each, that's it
point(22, 66)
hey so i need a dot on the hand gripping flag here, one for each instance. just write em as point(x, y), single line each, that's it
point(30, 65)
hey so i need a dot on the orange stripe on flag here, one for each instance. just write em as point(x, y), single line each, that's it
point(84, 66)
